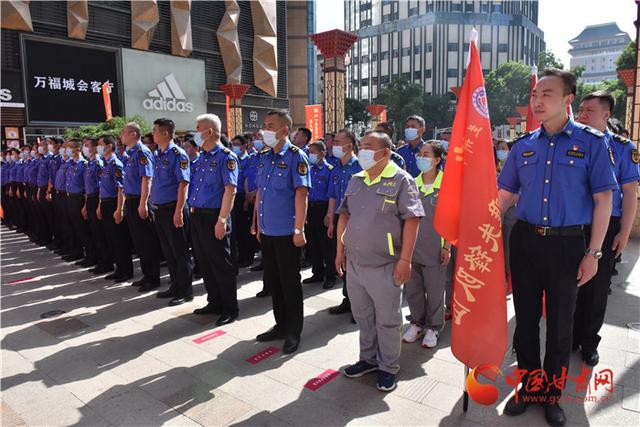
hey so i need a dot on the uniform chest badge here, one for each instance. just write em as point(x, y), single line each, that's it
point(107, 172)
point(321, 178)
point(528, 153)
point(577, 154)
point(303, 169)
point(165, 162)
point(214, 163)
point(260, 165)
point(336, 179)
point(282, 165)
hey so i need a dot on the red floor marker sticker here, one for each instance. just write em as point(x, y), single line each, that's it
point(317, 382)
point(267, 352)
point(209, 336)
point(15, 282)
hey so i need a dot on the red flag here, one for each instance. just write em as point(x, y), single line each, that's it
point(469, 215)
point(106, 97)
point(532, 123)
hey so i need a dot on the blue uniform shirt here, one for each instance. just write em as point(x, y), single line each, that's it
point(557, 175)
point(61, 176)
point(171, 168)
point(54, 164)
point(252, 171)
point(331, 159)
point(624, 167)
point(75, 175)
point(243, 167)
point(20, 165)
point(91, 176)
point(279, 174)
point(320, 177)
point(409, 156)
point(139, 163)
point(111, 177)
point(192, 171)
point(32, 177)
point(340, 176)
point(212, 171)
point(42, 179)
point(12, 172)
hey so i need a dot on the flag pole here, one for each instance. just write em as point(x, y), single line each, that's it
point(465, 395)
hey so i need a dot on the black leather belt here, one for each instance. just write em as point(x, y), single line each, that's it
point(75, 194)
point(204, 211)
point(570, 231)
point(132, 196)
point(108, 199)
point(314, 204)
point(164, 205)
point(93, 195)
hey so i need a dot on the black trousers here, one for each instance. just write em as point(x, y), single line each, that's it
point(548, 264)
point(46, 216)
point(100, 251)
point(61, 224)
point(214, 259)
point(281, 275)
point(321, 248)
point(145, 239)
point(82, 238)
point(345, 294)
point(242, 241)
point(591, 304)
point(116, 239)
point(175, 247)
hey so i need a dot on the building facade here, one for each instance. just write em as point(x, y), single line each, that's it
point(426, 41)
point(165, 53)
point(596, 49)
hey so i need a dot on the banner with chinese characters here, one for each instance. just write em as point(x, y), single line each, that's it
point(468, 215)
point(63, 81)
point(313, 119)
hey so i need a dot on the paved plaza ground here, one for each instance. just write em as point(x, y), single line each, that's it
point(118, 357)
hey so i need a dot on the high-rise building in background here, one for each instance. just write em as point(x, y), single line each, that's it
point(427, 41)
point(596, 49)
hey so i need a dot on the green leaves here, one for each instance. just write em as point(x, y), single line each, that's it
point(112, 127)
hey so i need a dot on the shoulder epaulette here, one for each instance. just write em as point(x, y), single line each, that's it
point(594, 132)
point(621, 139)
point(524, 135)
point(330, 167)
point(225, 150)
point(293, 148)
point(176, 151)
point(264, 151)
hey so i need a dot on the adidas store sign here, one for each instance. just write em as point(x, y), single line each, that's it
point(167, 96)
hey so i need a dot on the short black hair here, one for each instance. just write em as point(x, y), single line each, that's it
point(568, 79)
point(352, 136)
point(224, 139)
point(166, 125)
point(190, 141)
point(92, 140)
point(604, 97)
point(386, 127)
point(282, 114)
point(241, 138)
point(306, 132)
point(109, 140)
point(417, 118)
point(319, 145)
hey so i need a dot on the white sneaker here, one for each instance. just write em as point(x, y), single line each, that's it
point(412, 333)
point(430, 339)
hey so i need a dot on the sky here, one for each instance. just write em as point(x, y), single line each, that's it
point(561, 20)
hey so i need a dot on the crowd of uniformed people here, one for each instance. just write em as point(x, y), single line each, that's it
point(350, 206)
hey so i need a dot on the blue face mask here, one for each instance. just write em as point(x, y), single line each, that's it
point(502, 155)
point(258, 144)
point(445, 145)
point(313, 158)
point(410, 134)
point(237, 150)
point(425, 164)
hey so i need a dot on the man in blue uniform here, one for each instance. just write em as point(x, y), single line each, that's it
point(414, 127)
point(322, 248)
point(53, 147)
point(45, 213)
point(343, 145)
point(564, 180)
point(591, 305)
point(302, 139)
point(328, 143)
point(169, 199)
point(214, 185)
point(60, 203)
point(138, 172)
point(283, 182)
point(241, 238)
point(111, 208)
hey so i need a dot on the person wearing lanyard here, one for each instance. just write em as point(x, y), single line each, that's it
point(168, 197)
point(322, 249)
point(344, 143)
point(100, 256)
point(111, 206)
point(379, 221)
point(82, 242)
point(564, 179)
point(138, 172)
point(591, 305)
point(283, 182)
point(214, 183)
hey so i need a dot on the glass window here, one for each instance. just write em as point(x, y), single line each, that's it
point(468, 7)
point(427, 74)
point(395, 53)
point(406, 51)
point(429, 47)
point(496, 8)
point(365, 82)
point(456, 7)
point(417, 50)
point(452, 72)
point(503, 47)
point(485, 47)
point(452, 47)
point(384, 55)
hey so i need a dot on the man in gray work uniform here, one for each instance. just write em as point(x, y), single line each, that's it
point(379, 219)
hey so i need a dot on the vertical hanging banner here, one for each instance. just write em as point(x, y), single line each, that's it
point(313, 119)
point(383, 116)
point(106, 98)
point(228, 115)
point(468, 215)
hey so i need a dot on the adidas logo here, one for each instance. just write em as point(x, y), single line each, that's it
point(167, 96)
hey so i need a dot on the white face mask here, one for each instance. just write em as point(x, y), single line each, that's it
point(366, 158)
point(86, 151)
point(41, 150)
point(313, 158)
point(50, 148)
point(337, 151)
point(197, 138)
point(33, 153)
point(258, 144)
point(410, 134)
point(24, 154)
point(270, 138)
point(68, 151)
point(502, 155)
point(101, 150)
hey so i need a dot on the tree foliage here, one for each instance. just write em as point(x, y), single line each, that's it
point(547, 59)
point(112, 127)
point(355, 110)
point(627, 58)
point(507, 87)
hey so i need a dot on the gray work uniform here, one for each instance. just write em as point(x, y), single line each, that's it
point(373, 241)
point(425, 289)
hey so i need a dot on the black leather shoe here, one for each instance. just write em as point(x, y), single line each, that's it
point(112, 276)
point(71, 257)
point(258, 267)
point(291, 344)
point(513, 407)
point(207, 309)
point(138, 283)
point(554, 415)
point(179, 301)
point(123, 278)
point(166, 294)
point(312, 279)
point(271, 335)
point(344, 307)
point(575, 347)
point(591, 358)
point(329, 283)
point(263, 293)
point(87, 263)
point(148, 287)
point(225, 319)
point(101, 269)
